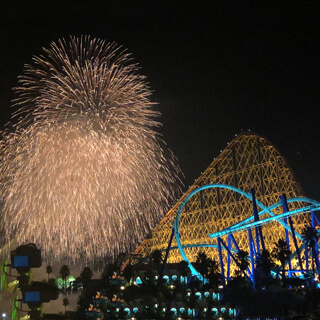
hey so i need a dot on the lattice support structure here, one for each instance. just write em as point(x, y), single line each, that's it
point(248, 162)
point(287, 215)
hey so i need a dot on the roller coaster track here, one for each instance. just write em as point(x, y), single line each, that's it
point(244, 225)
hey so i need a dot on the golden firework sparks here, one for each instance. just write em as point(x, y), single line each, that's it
point(83, 171)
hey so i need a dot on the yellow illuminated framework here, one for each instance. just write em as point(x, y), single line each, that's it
point(249, 161)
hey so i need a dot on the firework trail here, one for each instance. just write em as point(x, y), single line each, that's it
point(83, 171)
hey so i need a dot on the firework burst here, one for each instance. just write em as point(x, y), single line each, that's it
point(83, 171)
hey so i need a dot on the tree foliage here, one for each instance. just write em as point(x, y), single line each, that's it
point(85, 277)
point(282, 254)
point(64, 274)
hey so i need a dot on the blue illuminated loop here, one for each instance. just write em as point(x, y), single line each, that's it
point(241, 225)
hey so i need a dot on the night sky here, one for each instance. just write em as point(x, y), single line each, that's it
point(215, 71)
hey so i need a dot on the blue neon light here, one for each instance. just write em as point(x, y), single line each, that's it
point(176, 222)
point(245, 224)
point(278, 204)
point(237, 228)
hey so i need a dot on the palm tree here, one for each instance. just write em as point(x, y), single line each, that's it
point(86, 276)
point(264, 265)
point(204, 264)
point(49, 270)
point(310, 238)
point(243, 261)
point(183, 269)
point(65, 302)
point(281, 253)
point(64, 273)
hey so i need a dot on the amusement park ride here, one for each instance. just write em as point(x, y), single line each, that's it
point(217, 217)
point(254, 223)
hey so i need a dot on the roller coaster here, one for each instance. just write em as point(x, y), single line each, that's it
point(217, 217)
point(255, 244)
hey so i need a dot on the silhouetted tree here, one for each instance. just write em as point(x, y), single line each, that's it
point(64, 273)
point(281, 253)
point(264, 265)
point(49, 270)
point(183, 269)
point(310, 238)
point(65, 302)
point(243, 261)
point(85, 277)
point(205, 265)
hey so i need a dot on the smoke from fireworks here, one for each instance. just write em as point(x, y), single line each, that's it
point(83, 171)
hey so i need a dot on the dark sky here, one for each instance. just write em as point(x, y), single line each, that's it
point(214, 71)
